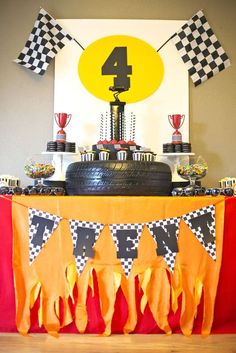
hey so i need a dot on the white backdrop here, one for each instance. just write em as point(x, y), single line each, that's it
point(172, 97)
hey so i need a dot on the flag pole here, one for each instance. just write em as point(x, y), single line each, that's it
point(79, 44)
point(173, 35)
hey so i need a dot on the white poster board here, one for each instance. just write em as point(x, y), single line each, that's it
point(172, 96)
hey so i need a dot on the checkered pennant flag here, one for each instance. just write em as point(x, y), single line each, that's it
point(200, 50)
point(126, 238)
point(202, 224)
point(84, 236)
point(165, 232)
point(41, 226)
point(45, 41)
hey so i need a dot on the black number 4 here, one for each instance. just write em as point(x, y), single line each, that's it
point(116, 64)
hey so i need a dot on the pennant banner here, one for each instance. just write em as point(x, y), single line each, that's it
point(200, 50)
point(46, 39)
point(84, 236)
point(202, 224)
point(126, 238)
point(41, 226)
point(165, 233)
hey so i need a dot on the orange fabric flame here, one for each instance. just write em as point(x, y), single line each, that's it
point(53, 275)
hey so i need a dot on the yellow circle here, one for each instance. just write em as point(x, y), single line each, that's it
point(112, 60)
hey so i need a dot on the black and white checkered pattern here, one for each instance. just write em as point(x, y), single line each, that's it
point(35, 250)
point(74, 224)
point(200, 50)
point(80, 263)
point(209, 247)
point(45, 41)
point(126, 263)
point(169, 256)
point(170, 259)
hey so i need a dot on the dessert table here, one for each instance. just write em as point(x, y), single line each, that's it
point(102, 316)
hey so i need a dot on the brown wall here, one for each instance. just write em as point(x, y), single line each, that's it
point(26, 99)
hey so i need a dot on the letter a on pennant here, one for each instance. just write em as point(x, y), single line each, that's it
point(41, 227)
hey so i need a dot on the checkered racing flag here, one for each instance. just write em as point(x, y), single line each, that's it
point(200, 50)
point(165, 232)
point(84, 236)
point(126, 238)
point(202, 224)
point(41, 226)
point(45, 41)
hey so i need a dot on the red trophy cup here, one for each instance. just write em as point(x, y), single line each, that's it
point(62, 120)
point(176, 121)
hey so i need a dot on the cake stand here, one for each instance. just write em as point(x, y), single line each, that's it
point(173, 160)
point(61, 161)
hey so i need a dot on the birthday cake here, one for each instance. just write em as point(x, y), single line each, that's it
point(115, 166)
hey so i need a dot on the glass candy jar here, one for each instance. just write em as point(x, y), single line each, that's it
point(39, 167)
point(193, 170)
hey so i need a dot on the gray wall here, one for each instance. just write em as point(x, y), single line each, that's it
point(26, 99)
